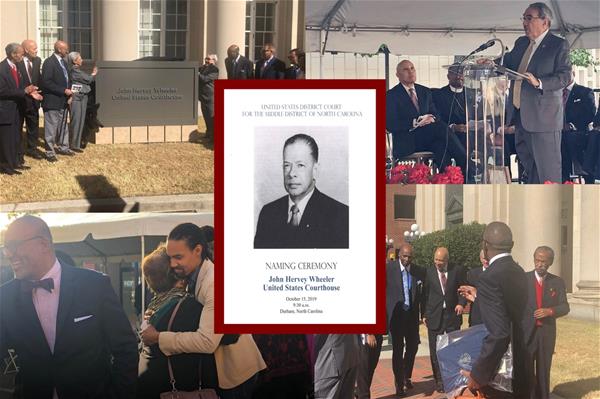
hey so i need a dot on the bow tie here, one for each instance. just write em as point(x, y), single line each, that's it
point(28, 286)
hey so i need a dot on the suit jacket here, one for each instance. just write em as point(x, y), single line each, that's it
point(93, 358)
point(35, 79)
point(446, 100)
point(324, 224)
point(84, 79)
point(436, 315)
point(12, 97)
point(502, 296)
point(394, 289)
point(235, 363)
point(53, 85)
point(336, 354)
point(542, 110)
point(400, 113)
point(580, 107)
point(554, 296)
point(207, 74)
point(294, 72)
point(473, 280)
point(244, 68)
point(275, 69)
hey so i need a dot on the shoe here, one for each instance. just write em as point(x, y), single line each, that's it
point(10, 171)
point(52, 158)
point(401, 393)
point(23, 167)
point(65, 152)
point(77, 150)
point(439, 387)
point(34, 154)
point(408, 384)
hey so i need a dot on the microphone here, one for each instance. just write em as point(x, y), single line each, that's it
point(484, 46)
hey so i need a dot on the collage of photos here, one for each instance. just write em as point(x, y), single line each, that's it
point(193, 200)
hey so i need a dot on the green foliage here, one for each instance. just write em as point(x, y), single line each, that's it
point(583, 58)
point(463, 243)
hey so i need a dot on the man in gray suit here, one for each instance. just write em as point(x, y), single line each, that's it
point(336, 365)
point(544, 59)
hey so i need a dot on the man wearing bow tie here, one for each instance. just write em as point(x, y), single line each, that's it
point(547, 301)
point(66, 325)
point(305, 218)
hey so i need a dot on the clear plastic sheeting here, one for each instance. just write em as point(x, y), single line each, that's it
point(459, 350)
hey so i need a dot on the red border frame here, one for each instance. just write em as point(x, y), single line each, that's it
point(380, 182)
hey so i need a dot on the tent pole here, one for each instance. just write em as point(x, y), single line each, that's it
point(142, 277)
point(386, 53)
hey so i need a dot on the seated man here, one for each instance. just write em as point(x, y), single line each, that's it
point(591, 160)
point(580, 107)
point(450, 103)
point(412, 119)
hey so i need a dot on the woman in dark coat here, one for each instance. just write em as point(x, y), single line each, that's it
point(153, 373)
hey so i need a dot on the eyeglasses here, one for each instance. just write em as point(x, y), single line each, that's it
point(13, 246)
point(529, 18)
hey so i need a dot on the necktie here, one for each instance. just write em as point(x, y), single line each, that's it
point(406, 286)
point(27, 286)
point(64, 68)
point(413, 98)
point(444, 281)
point(28, 67)
point(566, 93)
point(522, 69)
point(295, 220)
point(15, 74)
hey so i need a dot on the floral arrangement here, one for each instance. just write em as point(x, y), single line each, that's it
point(421, 174)
point(566, 182)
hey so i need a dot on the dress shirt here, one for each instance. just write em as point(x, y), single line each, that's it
point(536, 44)
point(455, 90)
point(442, 285)
point(502, 255)
point(539, 278)
point(301, 205)
point(405, 285)
point(46, 304)
point(407, 88)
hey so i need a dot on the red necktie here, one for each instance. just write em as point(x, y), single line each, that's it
point(444, 281)
point(565, 96)
point(15, 75)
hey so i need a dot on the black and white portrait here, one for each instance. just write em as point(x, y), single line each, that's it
point(301, 187)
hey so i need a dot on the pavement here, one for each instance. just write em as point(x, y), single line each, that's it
point(158, 203)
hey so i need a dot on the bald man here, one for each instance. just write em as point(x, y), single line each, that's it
point(66, 324)
point(56, 86)
point(413, 120)
point(444, 307)
point(501, 297)
point(30, 71)
point(238, 66)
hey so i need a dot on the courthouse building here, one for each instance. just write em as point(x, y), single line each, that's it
point(565, 218)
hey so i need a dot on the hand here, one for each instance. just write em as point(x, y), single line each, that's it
point(484, 61)
point(150, 335)
point(371, 341)
point(542, 312)
point(460, 128)
point(468, 292)
point(509, 129)
point(532, 79)
point(94, 71)
point(36, 95)
point(425, 120)
point(472, 385)
point(68, 92)
point(30, 89)
point(459, 310)
point(425, 321)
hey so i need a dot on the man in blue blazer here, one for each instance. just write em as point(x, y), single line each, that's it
point(413, 120)
point(305, 218)
point(68, 329)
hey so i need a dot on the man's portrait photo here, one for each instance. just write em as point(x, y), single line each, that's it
point(305, 217)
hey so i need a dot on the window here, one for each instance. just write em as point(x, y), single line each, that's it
point(163, 28)
point(68, 20)
point(260, 26)
point(404, 206)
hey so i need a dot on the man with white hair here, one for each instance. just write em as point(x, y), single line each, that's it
point(207, 75)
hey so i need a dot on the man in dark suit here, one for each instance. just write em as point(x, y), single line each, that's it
point(546, 301)
point(30, 71)
point(473, 276)
point(297, 64)
point(591, 159)
point(580, 108)
point(544, 59)
point(335, 365)
point(450, 103)
point(238, 66)
point(305, 218)
point(269, 67)
point(444, 307)
point(404, 308)
point(56, 86)
point(501, 297)
point(412, 118)
point(13, 94)
point(69, 331)
point(207, 74)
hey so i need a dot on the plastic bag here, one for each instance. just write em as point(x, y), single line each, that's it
point(458, 350)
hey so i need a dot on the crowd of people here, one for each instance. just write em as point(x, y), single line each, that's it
point(551, 123)
point(59, 86)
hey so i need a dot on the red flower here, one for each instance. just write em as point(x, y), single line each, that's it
point(549, 182)
point(569, 182)
point(454, 174)
point(419, 174)
point(440, 178)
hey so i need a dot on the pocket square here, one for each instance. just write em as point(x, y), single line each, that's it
point(82, 318)
point(577, 100)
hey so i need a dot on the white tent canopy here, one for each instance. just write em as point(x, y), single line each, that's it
point(436, 27)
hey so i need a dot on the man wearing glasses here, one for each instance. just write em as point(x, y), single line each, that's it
point(537, 100)
point(65, 324)
point(207, 74)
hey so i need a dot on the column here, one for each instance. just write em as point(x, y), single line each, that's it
point(430, 207)
point(118, 33)
point(226, 22)
point(586, 251)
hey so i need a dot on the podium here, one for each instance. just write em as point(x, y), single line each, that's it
point(486, 94)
